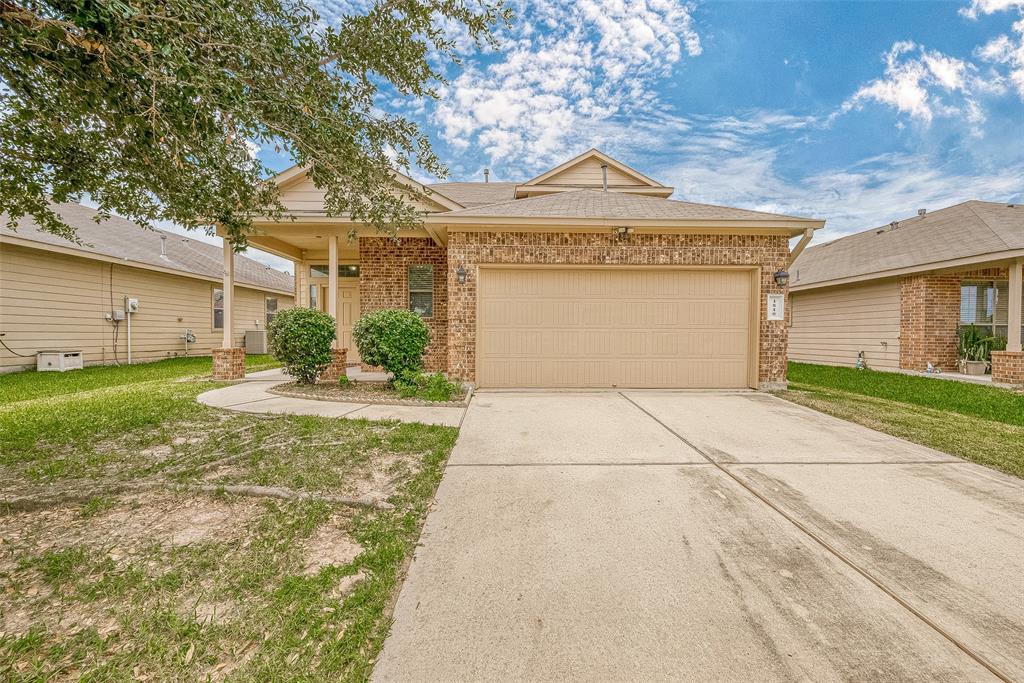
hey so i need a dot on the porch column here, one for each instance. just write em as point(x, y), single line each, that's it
point(332, 283)
point(229, 294)
point(1013, 318)
point(339, 353)
point(229, 361)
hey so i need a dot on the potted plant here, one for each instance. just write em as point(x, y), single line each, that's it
point(975, 350)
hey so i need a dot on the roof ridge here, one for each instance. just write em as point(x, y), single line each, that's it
point(970, 205)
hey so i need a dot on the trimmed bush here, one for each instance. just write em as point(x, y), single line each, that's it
point(301, 339)
point(392, 339)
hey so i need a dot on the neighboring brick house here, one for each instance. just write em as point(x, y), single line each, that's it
point(900, 294)
point(585, 276)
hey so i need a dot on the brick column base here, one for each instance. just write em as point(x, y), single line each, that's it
point(337, 367)
point(228, 363)
point(1008, 367)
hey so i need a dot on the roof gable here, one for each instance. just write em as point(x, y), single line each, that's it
point(300, 195)
point(587, 171)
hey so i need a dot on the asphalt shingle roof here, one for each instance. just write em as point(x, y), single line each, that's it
point(600, 204)
point(972, 228)
point(476, 194)
point(123, 239)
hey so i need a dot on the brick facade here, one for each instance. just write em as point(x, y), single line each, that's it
point(228, 363)
point(470, 249)
point(930, 317)
point(337, 368)
point(929, 321)
point(384, 283)
point(1008, 367)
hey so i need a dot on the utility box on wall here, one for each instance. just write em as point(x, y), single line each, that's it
point(59, 361)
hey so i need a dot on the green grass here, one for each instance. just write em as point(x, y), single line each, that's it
point(978, 423)
point(23, 386)
point(101, 592)
point(976, 400)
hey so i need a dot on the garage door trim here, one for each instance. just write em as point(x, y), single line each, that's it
point(753, 323)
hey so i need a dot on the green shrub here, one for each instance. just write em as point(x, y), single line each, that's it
point(392, 339)
point(429, 387)
point(301, 339)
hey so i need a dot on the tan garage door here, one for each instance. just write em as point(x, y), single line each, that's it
point(613, 327)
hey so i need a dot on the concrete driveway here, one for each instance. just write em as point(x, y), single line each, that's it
point(707, 536)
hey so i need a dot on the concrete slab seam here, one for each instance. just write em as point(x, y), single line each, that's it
point(963, 647)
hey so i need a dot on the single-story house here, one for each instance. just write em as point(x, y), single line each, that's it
point(587, 275)
point(900, 293)
point(59, 295)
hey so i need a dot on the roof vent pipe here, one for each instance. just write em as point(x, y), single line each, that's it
point(921, 212)
point(604, 177)
point(487, 175)
point(163, 246)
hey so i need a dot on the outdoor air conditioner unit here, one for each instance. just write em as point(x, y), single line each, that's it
point(255, 341)
point(59, 361)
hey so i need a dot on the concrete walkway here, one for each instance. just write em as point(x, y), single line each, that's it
point(251, 396)
point(664, 536)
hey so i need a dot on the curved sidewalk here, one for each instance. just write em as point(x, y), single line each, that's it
point(251, 395)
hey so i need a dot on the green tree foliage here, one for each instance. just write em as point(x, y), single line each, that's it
point(152, 108)
point(392, 339)
point(301, 339)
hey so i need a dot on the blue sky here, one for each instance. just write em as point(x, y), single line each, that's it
point(856, 112)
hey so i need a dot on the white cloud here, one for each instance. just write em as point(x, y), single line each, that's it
point(918, 82)
point(1008, 52)
point(565, 69)
point(988, 7)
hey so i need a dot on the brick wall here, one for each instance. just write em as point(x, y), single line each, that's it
point(228, 363)
point(929, 320)
point(1008, 367)
point(468, 249)
point(384, 283)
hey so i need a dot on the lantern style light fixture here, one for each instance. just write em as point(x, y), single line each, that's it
point(781, 278)
point(460, 275)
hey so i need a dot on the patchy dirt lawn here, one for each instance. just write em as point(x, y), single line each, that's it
point(144, 537)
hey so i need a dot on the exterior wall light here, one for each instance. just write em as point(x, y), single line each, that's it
point(781, 278)
point(460, 275)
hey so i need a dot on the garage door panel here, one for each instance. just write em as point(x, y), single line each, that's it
point(594, 327)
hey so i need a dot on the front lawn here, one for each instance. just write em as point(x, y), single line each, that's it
point(19, 386)
point(144, 536)
point(975, 422)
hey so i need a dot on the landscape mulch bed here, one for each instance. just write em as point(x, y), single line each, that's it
point(361, 392)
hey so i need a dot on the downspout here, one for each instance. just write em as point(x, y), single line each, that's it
point(800, 246)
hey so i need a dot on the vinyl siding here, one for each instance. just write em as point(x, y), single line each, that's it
point(589, 173)
point(833, 324)
point(54, 301)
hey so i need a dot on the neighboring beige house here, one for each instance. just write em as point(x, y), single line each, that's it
point(901, 292)
point(58, 295)
point(585, 276)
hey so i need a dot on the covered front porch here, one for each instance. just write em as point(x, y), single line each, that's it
point(937, 306)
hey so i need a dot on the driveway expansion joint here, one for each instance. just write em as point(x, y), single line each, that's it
point(848, 561)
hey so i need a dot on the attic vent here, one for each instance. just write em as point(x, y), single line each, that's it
point(487, 175)
point(894, 225)
point(921, 212)
point(604, 177)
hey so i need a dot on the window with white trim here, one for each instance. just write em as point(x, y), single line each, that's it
point(271, 308)
point(985, 304)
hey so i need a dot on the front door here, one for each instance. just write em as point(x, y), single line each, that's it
point(348, 313)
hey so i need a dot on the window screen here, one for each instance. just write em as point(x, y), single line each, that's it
point(271, 309)
point(421, 290)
